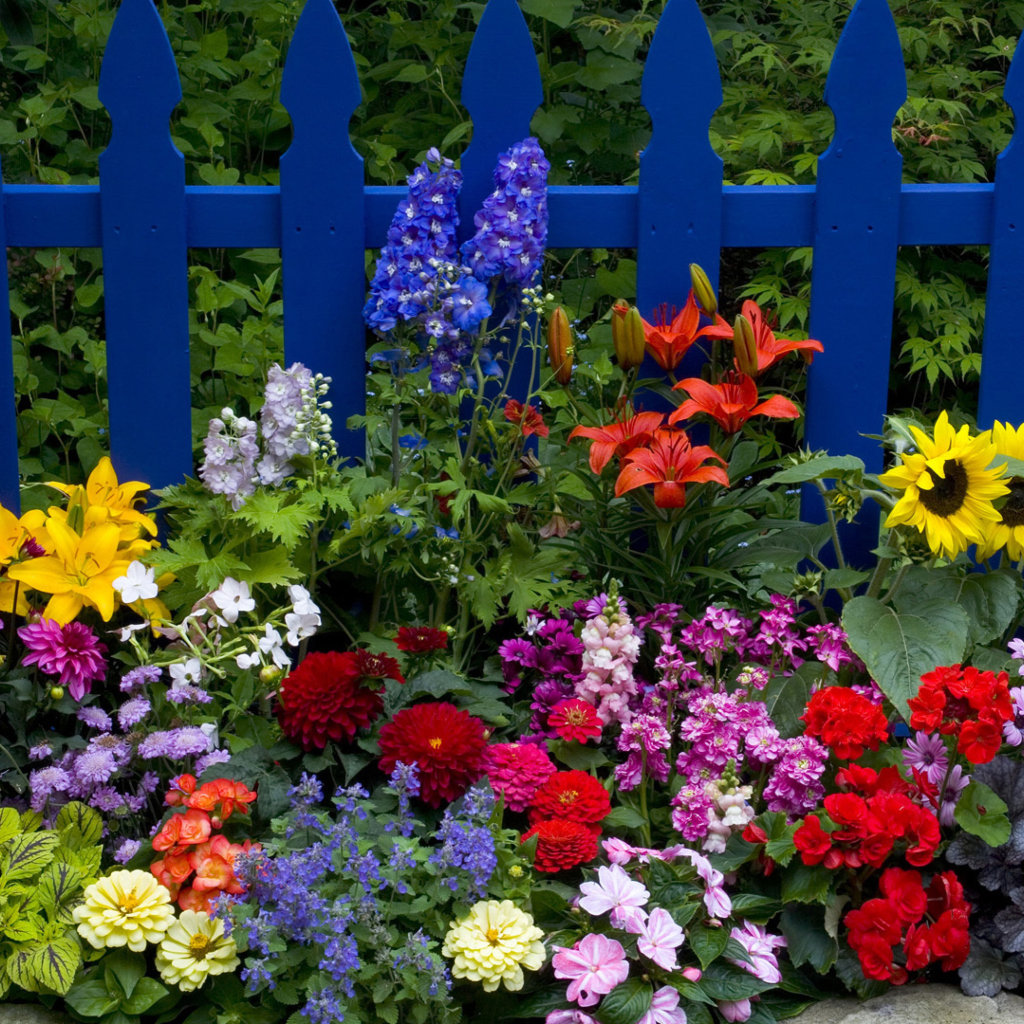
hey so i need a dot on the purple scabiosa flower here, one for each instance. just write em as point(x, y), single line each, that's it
point(92, 767)
point(40, 752)
point(210, 759)
point(45, 782)
point(927, 753)
point(174, 744)
point(133, 711)
point(108, 800)
point(95, 718)
point(186, 693)
point(138, 678)
point(126, 849)
point(149, 782)
point(71, 652)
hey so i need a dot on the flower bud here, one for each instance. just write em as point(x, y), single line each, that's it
point(628, 336)
point(702, 290)
point(270, 674)
point(744, 346)
point(692, 973)
point(56, 692)
point(560, 346)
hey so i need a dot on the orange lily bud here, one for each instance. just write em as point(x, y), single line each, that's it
point(745, 346)
point(560, 346)
point(702, 290)
point(628, 337)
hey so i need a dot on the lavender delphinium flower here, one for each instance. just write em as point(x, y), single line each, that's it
point(230, 450)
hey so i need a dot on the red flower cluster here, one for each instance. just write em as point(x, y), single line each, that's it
point(863, 827)
point(845, 721)
point(326, 697)
point(969, 704)
point(421, 639)
point(910, 927)
point(565, 814)
point(447, 744)
point(528, 419)
point(575, 719)
point(189, 845)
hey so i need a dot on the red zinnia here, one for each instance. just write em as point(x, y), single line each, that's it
point(447, 744)
point(562, 844)
point(845, 721)
point(323, 700)
point(575, 719)
point(421, 639)
point(528, 419)
point(517, 770)
point(573, 796)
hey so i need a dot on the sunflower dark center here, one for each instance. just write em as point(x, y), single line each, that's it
point(946, 497)
point(1013, 510)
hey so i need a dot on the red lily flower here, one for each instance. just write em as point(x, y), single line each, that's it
point(528, 419)
point(618, 438)
point(730, 403)
point(669, 340)
point(669, 463)
point(769, 348)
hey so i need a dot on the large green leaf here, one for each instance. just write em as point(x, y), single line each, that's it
point(10, 824)
point(92, 998)
point(27, 855)
point(55, 963)
point(818, 469)
point(899, 647)
point(989, 599)
point(57, 884)
point(79, 825)
point(982, 813)
point(626, 1003)
point(807, 940)
point(147, 992)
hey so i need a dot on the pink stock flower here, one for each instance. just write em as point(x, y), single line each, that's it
point(660, 937)
point(664, 1008)
point(596, 964)
point(71, 651)
point(615, 891)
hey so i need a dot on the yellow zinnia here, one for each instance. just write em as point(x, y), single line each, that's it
point(126, 908)
point(193, 948)
point(1009, 531)
point(947, 489)
point(494, 944)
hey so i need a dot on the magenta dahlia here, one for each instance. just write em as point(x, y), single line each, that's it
point(72, 652)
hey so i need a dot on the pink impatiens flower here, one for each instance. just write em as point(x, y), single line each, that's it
point(660, 937)
point(664, 1008)
point(615, 891)
point(72, 651)
point(596, 964)
point(569, 1017)
point(736, 1010)
point(760, 946)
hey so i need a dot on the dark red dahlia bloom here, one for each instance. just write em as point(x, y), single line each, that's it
point(572, 796)
point(447, 744)
point(845, 721)
point(378, 666)
point(562, 844)
point(324, 699)
point(421, 639)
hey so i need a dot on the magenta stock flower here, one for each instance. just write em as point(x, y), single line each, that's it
point(595, 965)
point(615, 891)
point(71, 652)
point(659, 937)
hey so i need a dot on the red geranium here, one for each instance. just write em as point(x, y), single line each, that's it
point(562, 844)
point(845, 721)
point(324, 699)
point(575, 719)
point(528, 419)
point(421, 639)
point(572, 796)
point(447, 744)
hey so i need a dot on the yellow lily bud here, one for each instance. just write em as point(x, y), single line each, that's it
point(560, 346)
point(628, 336)
point(76, 511)
point(744, 346)
point(702, 290)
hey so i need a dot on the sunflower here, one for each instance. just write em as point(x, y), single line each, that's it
point(947, 489)
point(1009, 532)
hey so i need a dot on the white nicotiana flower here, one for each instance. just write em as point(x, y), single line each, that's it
point(125, 634)
point(209, 730)
point(272, 644)
point(232, 597)
point(137, 584)
point(302, 603)
point(247, 660)
point(186, 673)
point(300, 626)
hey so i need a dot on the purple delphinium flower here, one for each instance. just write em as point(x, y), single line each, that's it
point(231, 450)
point(287, 393)
point(927, 753)
point(133, 711)
point(186, 693)
point(71, 652)
point(137, 678)
point(95, 718)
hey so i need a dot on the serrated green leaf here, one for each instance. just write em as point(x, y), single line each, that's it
point(27, 855)
point(803, 884)
point(10, 824)
point(807, 940)
point(57, 884)
point(55, 963)
point(817, 469)
point(79, 825)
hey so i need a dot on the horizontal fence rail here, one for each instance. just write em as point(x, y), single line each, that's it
point(322, 217)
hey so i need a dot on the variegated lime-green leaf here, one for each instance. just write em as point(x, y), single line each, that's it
point(5, 982)
point(86, 860)
point(58, 883)
point(78, 825)
point(18, 972)
point(23, 928)
point(10, 823)
point(31, 821)
point(27, 855)
point(54, 964)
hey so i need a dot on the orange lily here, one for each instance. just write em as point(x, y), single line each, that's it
point(669, 463)
point(669, 340)
point(619, 437)
point(769, 348)
point(730, 403)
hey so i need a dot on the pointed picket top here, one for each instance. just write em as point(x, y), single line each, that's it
point(9, 491)
point(139, 82)
point(501, 89)
point(867, 81)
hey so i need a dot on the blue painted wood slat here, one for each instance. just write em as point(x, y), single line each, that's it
point(10, 496)
point(999, 395)
point(855, 239)
point(322, 229)
point(145, 263)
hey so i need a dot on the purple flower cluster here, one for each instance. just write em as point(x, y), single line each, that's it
point(231, 449)
point(285, 397)
point(794, 787)
point(645, 738)
point(467, 845)
point(72, 652)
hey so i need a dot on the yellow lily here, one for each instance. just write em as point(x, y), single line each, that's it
point(80, 571)
point(102, 489)
point(14, 533)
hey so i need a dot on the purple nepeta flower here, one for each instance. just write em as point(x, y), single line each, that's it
point(927, 753)
point(95, 718)
point(127, 849)
point(132, 712)
point(73, 652)
point(174, 744)
point(137, 678)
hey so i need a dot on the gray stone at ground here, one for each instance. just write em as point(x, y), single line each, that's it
point(917, 1004)
point(27, 1013)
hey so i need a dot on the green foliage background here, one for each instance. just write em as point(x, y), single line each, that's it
point(774, 57)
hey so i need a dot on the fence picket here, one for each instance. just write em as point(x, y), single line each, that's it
point(145, 260)
point(10, 496)
point(999, 394)
point(855, 241)
point(679, 207)
point(322, 219)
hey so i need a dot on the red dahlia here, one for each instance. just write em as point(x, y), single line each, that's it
point(575, 719)
point(845, 721)
point(378, 666)
point(447, 744)
point(562, 844)
point(572, 796)
point(324, 699)
point(421, 639)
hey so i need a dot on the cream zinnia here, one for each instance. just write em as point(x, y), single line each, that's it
point(494, 944)
point(126, 908)
point(194, 948)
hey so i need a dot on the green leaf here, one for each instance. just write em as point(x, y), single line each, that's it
point(898, 648)
point(79, 825)
point(755, 908)
point(91, 998)
point(786, 697)
point(807, 940)
point(559, 12)
point(123, 969)
point(27, 855)
point(626, 1003)
point(803, 884)
point(57, 884)
point(577, 755)
point(989, 599)
point(10, 824)
point(147, 992)
point(624, 817)
point(54, 964)
point(818, 469)
point(439, 683)
point(723, 981)
point(708, 943)
point(980, 812)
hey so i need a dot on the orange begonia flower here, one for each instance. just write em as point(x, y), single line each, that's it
point(618, 438)
point(669, 340)
point(670, 462)
point(730, 403)
point(769, 348)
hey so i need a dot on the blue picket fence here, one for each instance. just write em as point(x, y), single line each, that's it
point(322, 218)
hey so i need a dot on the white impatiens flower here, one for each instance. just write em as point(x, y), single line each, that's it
point(137, 584)
point(186, 673)
point(232, 598)
point(194, 948)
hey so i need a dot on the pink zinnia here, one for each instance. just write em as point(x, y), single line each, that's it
point(72, 651)
point(518, 770)
point(596, 964)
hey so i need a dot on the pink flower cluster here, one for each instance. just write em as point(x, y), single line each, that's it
point(610, 650)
